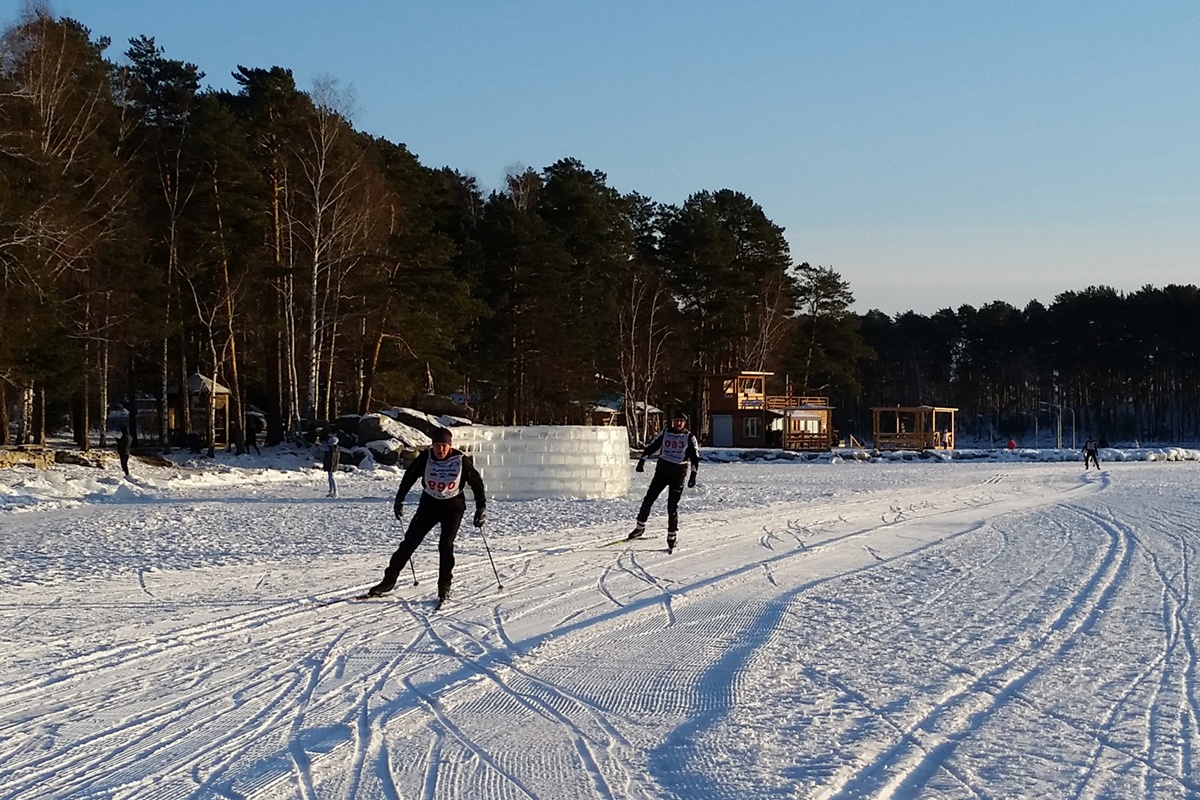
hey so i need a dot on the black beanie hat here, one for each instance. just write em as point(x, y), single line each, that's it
point(441, 435)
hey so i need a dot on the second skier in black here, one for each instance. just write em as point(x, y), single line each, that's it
point(443, 471)
point(677, 463)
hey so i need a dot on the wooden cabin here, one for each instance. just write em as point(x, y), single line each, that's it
point(736, 403)
point(742, 414)
point(913, 427)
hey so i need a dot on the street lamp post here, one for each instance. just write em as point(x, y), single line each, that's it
point(1057, 421)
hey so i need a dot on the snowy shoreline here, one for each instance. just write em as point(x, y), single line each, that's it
point(67, 485)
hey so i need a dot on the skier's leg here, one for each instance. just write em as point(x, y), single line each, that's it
point(673, 494)
point(452, 516)
point(657, 484)
point(421, 523)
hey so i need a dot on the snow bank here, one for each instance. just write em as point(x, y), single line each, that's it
point(727, 455)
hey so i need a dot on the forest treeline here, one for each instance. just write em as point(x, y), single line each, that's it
point(152, 228)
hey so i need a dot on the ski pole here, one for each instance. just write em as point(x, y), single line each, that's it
point(489, 552)
point(414, 571)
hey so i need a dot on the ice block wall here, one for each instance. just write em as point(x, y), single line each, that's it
point(545, 461)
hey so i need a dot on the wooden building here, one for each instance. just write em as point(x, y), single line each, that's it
point(742, 414)
point(913, 427)
point(199, 388)
point(807, 423)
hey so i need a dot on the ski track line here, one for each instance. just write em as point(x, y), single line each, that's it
point(176, 709)
point(599, 715)
point(300, 762)
point(537, 706)
point(72, 680)
point(1189, 732)
point(904, 767)
point(370, 742)
point(366, 739)
point(1177, 636)
point(126, 654)
point(142, 731)
point(479, 752)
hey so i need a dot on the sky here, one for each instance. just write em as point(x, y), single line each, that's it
point(934, 154)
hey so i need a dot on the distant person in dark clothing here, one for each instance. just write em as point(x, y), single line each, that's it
point(443, 471)
point(678, 462)
point(1090, 453)
point(123, 444)
point(331, 455)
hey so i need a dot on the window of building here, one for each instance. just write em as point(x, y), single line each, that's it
point(752, 427)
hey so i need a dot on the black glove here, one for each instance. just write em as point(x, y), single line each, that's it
point(641, 467)
point(480, 517)
point(692, 481)
point(398, 509)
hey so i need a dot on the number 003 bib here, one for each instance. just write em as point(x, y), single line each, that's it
point(443, 478)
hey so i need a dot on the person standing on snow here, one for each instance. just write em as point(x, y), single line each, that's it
point(443, 471)
point(680, 458)
point(123, 444)
point(330, 456)
point(1090, 453)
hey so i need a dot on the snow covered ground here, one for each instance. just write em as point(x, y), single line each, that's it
point(838, 629)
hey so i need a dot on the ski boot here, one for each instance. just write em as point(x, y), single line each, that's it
point(443, 597)
point(670, 541)
point(637, 531)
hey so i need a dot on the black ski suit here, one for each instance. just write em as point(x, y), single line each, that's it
point(442, 502)
point(680, 454)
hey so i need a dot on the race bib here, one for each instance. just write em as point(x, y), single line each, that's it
point(443, 479)
point(675, 446)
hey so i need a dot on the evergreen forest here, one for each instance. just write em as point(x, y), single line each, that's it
point(152, 228)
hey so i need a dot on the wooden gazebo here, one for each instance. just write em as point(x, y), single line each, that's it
point(913, 427)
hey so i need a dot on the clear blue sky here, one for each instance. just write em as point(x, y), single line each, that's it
point(933, 153)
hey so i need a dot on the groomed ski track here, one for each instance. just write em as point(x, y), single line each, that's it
point(986, 633)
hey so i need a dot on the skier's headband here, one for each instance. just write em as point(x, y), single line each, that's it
point(441, 435)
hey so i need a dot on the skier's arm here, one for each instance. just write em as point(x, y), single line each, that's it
point(651, 448)
point(473, 479)
point(693, 456)
point(414, 473)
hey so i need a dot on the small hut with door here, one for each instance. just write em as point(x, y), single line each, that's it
point(198, 389)
point(913, 427)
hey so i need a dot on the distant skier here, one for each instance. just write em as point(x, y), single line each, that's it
point(442, 471)
point(680, 458)
point(124, 441)
point(1091, 453)
point(330, 456)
